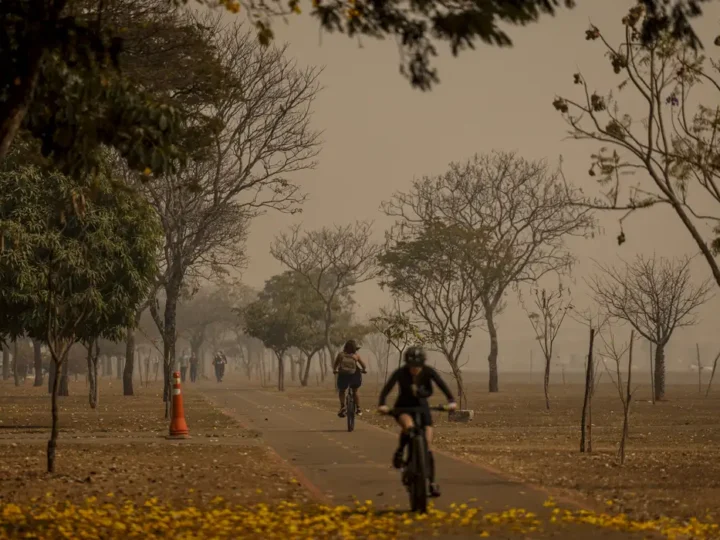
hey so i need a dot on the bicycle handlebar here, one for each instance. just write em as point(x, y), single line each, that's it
point(439, 408)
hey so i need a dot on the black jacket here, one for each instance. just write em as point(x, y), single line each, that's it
point(414, 392)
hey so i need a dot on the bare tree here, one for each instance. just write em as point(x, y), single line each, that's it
point(399, 330)
point(675, 146)
point(522, 210)
point(712, 374)
point(380, 346)
point(616, 353)
point(595, 323)
point(552, 308)
point(259, 135)
point(332, 260)
point(655, 296)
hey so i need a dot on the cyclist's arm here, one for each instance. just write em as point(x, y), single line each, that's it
point(392, 381)
point(336, 362)
point(360, 361)
point(442, 386)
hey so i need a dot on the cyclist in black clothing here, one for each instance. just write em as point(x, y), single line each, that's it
point(415, 380)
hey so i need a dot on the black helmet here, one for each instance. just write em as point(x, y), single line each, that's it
point(415, 356)
point(351, 346)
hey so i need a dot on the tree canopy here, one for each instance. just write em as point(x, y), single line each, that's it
point(76, 259)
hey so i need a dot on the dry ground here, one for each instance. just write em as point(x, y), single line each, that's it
point(119, 449)
point(673, 456)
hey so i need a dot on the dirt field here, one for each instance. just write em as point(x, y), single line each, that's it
point(117, 477)
point(672, 466)
point(118, 451)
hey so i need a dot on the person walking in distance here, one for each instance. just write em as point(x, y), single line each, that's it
point(348, 375)
point(219, 362)
point(193, 367)
point(184, 362)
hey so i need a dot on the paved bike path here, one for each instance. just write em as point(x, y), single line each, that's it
point(345, 466)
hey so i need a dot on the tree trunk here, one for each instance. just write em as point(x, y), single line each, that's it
point(64, 380)
point(281, 373)
point(626, 401)
point(322, 364)
point(37, 360)
point(457, 374)
point(15, 105)
point(263, 376)
point(129, 363)
point(659, 372)
point(52, 443)
point(293, 368)
point(546, 382)
point(306, 374)
point(172, 294)
point(493, 385)
point(6, 363)
point(712, 375)
point(119, 367)
point(17, 368)
point(588, 391)
point(652, 374)
point(92, 362)
point(700, 368)
point(51, 376)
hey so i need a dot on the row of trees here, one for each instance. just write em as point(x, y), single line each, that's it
point(125, 201)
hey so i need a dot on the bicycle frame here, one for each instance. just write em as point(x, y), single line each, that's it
point(415, 472)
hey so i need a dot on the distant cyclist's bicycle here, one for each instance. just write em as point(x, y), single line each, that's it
point(415, 472)
point(350, 407)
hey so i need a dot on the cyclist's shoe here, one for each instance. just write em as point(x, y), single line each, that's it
point(358, 412)
point(342, 412)
point(398, 460)
point(434, 490)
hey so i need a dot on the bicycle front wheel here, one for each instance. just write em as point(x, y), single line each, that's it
point(418, 480)
point(350, 411)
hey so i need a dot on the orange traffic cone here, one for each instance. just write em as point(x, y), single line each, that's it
point(178, 427)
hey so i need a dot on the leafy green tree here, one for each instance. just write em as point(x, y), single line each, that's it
point(332, 260)
point(304, 313)
point(425, 267)
point(75, 260)
point(398, 330)
point(62, 81)
point(273, 320)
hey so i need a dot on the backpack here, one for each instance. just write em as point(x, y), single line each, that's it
point(347, 363)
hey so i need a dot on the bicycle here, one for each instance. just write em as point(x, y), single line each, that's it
point(350, 406)
point(415, 470)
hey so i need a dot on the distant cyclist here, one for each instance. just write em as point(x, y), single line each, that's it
point(415, 381)
point(349, 376)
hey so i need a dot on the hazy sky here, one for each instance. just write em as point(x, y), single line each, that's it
point(379, 134)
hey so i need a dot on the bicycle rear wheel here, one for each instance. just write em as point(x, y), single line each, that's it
point(350, 411)
point(417, 486)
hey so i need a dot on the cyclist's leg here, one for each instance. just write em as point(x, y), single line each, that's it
point(342, 384)
point(405, 422)
point(357, 383)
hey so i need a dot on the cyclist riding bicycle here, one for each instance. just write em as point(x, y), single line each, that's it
point(349, 376)
point(415, 381)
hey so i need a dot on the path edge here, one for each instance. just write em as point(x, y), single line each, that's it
point(314, 491)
